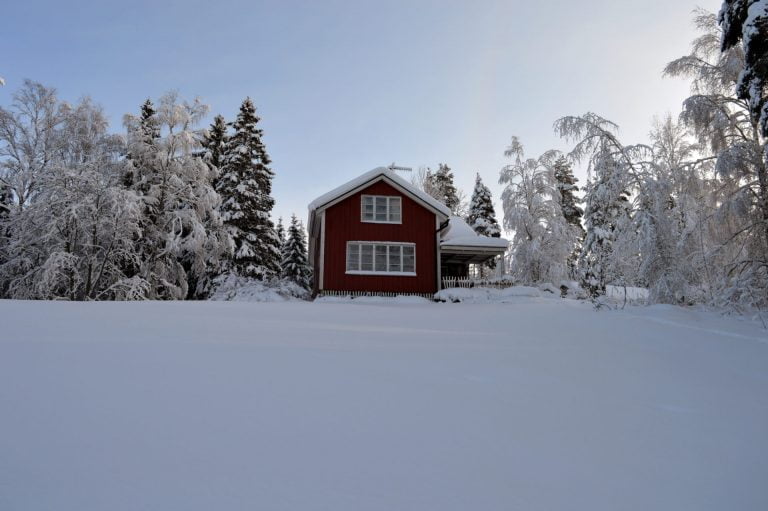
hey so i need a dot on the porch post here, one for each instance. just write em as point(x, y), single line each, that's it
point(438, 272)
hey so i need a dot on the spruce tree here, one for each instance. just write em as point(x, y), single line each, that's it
point(147, 133)
point(607, 213)
point(442, 183)
point(139, 176)
point(295, 266)
point(215, 143)
point(148, 125)
point(565, 183)
point(482, 217)
point(281, 238)
point(214, 153)
point(245, 187)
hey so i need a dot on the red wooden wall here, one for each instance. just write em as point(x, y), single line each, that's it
point(343, 223)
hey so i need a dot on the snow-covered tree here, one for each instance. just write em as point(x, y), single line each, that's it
point(280, 231)
point(482, 217)
point(723, 113)
point(29, 139)
point(606, 215)
point(181, 228)
point(215, 141)
point(607, 254)
point(670, 206)
point(440, 185)
point(214, 153)
point(295, 265)
point(74, 235)
point(745, 22)
point(245, 186)
point(6, 201)
point(148, 131)
point(565, 183)
point(542, 239)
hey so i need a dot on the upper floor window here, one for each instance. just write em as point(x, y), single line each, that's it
point(381, 209)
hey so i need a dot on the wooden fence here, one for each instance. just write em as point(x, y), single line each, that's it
point(468, 282)
point(463, 282)
point(357, 294)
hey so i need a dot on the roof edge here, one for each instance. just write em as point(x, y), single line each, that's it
point(372, 176)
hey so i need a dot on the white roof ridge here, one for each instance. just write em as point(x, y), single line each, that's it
point(362, 179)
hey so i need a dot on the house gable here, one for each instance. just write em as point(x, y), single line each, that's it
point(369, 178)
point(343, 223)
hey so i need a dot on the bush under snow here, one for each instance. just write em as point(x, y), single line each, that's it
point(235, 288)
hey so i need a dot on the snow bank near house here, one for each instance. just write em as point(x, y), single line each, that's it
point(486, 294)
point(399, 299)
point(238, 289)
point(482, 294)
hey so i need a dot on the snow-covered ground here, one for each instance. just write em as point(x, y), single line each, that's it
point(533, 404)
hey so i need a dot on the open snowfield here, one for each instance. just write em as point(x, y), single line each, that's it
point(536, 404)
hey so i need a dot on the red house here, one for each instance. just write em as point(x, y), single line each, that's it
point(380, 234)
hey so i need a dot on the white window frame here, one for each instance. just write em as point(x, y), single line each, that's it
point(374, 244)
point(388, 199)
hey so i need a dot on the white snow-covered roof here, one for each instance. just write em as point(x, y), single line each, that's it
point(460, 234)
point(372, 175)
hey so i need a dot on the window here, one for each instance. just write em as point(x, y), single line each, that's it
point(380, 257)
point(381, 209)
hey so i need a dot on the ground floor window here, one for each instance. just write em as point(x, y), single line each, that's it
point(366, 257)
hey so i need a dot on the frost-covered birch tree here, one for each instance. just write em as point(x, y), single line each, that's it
point(181, 228)
point(75, 233)
point(613, 168)
point(724, 116)
point(29, 139)
point(542, 239)
point(671, 205)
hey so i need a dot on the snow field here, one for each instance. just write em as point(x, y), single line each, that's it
point(534, 404)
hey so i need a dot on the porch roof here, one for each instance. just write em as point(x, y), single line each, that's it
point(460, 239)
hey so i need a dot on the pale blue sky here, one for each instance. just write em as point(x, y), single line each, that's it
point(345, 86)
